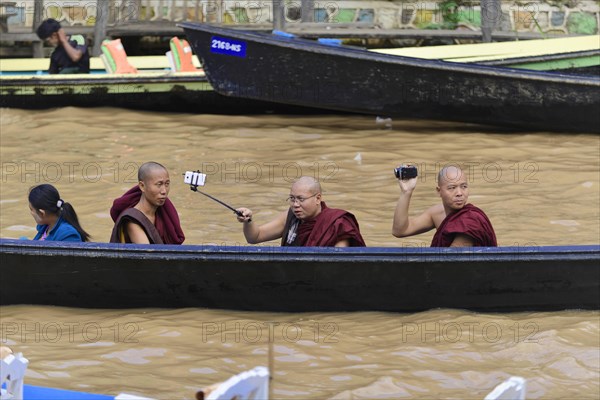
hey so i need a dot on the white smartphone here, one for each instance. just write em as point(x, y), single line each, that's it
point(194, 178)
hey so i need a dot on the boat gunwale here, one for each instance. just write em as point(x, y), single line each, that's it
point(324, 254)
point(541, 58)
point(301, 44)
point(84, 79)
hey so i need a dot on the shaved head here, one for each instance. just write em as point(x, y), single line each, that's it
point(453, 188)
point(147, 169)
point(309, 183)
point(450, 173)
point(305, 198)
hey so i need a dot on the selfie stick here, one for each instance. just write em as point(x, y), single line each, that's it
point(194, 188)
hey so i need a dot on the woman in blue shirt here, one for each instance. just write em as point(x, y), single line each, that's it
point(56, 219)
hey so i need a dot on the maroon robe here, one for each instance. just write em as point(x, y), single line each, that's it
point(328, 228)
point(119, 234)
point(166, 223)
point(470, 221)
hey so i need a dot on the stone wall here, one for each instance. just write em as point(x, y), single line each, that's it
point(550, 16)
point(558, 16)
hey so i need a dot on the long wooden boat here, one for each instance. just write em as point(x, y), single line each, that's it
point(297, 71)
point(572, 54)
point(24, 84)
point(103, 275)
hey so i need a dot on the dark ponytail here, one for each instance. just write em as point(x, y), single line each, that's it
point(45, 197)
point(69, 215)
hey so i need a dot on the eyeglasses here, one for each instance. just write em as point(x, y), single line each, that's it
point(292, 200)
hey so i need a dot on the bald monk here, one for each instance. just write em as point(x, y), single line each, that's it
point(144, 214)
point(308, 221)
point(458, 223)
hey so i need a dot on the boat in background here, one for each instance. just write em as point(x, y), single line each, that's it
point(290, 70)
point(39, 66)
point(25, 84)
point(292, 279)
point(573, 54)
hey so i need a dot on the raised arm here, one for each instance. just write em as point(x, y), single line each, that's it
point(263, 233)
point(403, 225)
point(74, 53)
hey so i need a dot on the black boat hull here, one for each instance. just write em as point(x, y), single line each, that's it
point(301, 72)
point(97, 275)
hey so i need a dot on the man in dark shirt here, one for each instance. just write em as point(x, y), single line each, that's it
point(69, 57)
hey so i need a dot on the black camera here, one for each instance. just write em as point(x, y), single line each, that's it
point(405, 172)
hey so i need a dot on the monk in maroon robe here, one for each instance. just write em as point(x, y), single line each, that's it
point(308, 221)
point(144, 214)
point(457, 222)
point(470, 221)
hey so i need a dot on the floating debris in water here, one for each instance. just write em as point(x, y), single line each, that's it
point(565, 222)
point(358, 158)
point(20, 228)
point(386, 122)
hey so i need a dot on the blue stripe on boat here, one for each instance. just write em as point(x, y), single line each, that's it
point(43, 393)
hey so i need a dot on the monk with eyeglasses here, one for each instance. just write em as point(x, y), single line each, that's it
point(308, 221)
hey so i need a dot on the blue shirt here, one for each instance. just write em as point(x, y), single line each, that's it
point(62, 232)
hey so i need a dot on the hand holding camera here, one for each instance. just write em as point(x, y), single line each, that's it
point(405, 172)
point(406, 175)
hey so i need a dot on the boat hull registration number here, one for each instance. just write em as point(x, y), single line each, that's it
point(226, 46)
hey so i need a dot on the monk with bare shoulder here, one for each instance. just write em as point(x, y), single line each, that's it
point(458, 222)
point(307, 222)
point(144, 214)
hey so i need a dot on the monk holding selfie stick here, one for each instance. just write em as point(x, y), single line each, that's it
point(307, 222)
